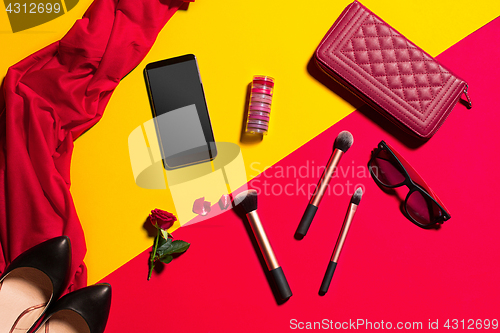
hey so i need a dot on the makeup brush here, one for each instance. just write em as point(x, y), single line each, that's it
point(342, 143)
point(355, 200)
point(247, 200)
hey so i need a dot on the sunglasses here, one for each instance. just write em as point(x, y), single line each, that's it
point(422, 206)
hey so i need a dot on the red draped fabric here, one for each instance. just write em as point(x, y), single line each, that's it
point(48, 100)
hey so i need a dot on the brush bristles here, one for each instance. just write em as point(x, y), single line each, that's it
point(356, 197)
point(344, 141)
point(246, 200)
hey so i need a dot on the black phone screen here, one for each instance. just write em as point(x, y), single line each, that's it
point(180, 110)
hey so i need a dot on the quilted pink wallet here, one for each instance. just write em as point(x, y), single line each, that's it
point(389, 72)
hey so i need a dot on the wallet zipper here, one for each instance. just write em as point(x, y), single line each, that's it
point(469, 102)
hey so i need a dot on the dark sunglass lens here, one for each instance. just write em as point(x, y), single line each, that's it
point(423, 209)
point(386, 169)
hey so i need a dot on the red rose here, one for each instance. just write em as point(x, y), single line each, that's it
point(162, 219)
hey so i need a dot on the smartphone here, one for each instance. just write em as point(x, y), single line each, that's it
point(180, 111)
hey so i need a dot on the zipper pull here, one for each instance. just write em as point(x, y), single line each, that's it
point(469, 102)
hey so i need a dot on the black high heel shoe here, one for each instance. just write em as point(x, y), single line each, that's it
point(85, 310)
point(33, 281)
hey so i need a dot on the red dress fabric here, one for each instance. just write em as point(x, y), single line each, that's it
point(48, 100)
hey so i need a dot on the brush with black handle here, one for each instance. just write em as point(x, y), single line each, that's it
point(355, 200)
point(247, 201)
point(342, 143)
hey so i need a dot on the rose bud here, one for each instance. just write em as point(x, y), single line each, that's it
point(162, 219)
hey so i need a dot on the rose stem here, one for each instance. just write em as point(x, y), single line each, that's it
point(153, 254)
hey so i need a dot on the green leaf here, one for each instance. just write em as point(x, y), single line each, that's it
point(178, 246)
point(161, 241)
point(164, 243)
point(162, 250)
point(166, 259)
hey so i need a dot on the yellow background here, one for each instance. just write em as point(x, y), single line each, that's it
point(233, 40)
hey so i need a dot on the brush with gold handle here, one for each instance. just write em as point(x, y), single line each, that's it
point(353, 206)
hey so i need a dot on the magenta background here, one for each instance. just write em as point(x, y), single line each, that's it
point(389, 269)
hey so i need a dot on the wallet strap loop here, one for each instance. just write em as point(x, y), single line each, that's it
point(469, 102)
